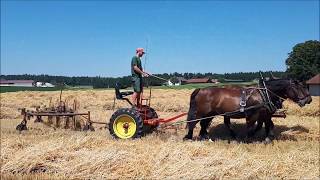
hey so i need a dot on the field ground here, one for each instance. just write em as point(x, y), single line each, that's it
point(45, 152)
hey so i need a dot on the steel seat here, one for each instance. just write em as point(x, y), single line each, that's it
point(119, 94)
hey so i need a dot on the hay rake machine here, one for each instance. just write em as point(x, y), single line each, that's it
point(60, 113)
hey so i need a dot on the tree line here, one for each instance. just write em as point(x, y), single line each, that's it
point(303, 62)
point(125, 81)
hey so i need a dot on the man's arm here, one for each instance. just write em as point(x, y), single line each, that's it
point(136, 69)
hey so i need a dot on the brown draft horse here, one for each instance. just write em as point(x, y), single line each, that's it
point(211, 101)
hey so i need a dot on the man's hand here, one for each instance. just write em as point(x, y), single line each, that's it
point(145, 74)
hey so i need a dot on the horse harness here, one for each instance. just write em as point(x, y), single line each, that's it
point(246, 93)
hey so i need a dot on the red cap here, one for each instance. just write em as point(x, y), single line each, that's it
point(140, 50)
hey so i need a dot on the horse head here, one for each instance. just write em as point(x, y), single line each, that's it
point(290, 89)
point(299, 93)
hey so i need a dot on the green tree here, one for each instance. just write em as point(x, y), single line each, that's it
point(304, 60)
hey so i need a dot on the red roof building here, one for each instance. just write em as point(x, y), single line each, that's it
point(24, 83)
point(314, 80)
point(314, 85)
point(198, 80)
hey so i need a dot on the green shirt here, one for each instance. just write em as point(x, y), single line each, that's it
point(136, 62)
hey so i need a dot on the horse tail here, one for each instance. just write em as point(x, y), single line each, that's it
point(193, 106)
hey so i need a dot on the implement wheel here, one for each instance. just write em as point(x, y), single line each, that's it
point(126, 123)
point(150, 114)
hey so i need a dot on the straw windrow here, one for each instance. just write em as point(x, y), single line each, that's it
point(44, 153)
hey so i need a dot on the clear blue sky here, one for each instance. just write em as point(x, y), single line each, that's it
point(92, 38)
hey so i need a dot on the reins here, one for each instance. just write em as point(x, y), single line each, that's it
point(167, 80)
point(258, 88)
point(158, 77)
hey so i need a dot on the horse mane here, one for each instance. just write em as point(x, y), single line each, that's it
point(276, 84)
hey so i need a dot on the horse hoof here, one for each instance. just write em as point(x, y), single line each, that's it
point(21, 127)
point(92, 128)
point(86, 128)
point(232, 142)
point(271, 133)
point(267, 140)
point(38, 120)
point(247, 140)
point(187, 138)
point(204, 137)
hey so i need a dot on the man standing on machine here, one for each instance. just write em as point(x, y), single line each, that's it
point(137, 74)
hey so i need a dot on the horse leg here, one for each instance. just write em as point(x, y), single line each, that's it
point(203, 131)
point(269, 130)
point(271, 133)
point(258, 127)
point(250, 121)
point(227, 123)
point(191, 126)
point(192, 115)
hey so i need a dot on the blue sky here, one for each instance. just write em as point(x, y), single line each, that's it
point(98, 38)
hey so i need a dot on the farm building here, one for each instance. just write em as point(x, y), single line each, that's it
point(169, 83)
point(314, 85)
point(20, 83)
point(201, 80)
point(177, 81)
point(44, 84)
point(181, 80)
point(215, 81)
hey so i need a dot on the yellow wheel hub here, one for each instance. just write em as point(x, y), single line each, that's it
point(124, 127)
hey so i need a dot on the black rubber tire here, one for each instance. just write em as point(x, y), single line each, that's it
point(154, 113)
point(135, 116)
point(149, 129)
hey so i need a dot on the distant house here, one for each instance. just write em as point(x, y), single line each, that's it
point(20, 83)
point(43, 84)
point(169, 83)
point(215, 81)
point(177, 81)
point(314, 85)
point(182, 80)
point(198, 80)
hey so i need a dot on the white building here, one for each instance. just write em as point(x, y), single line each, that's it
point(180, 81)
point(44, 84)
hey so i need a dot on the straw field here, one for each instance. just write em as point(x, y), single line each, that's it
point(45, 152)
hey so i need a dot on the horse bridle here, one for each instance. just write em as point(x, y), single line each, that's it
point(298, 100)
